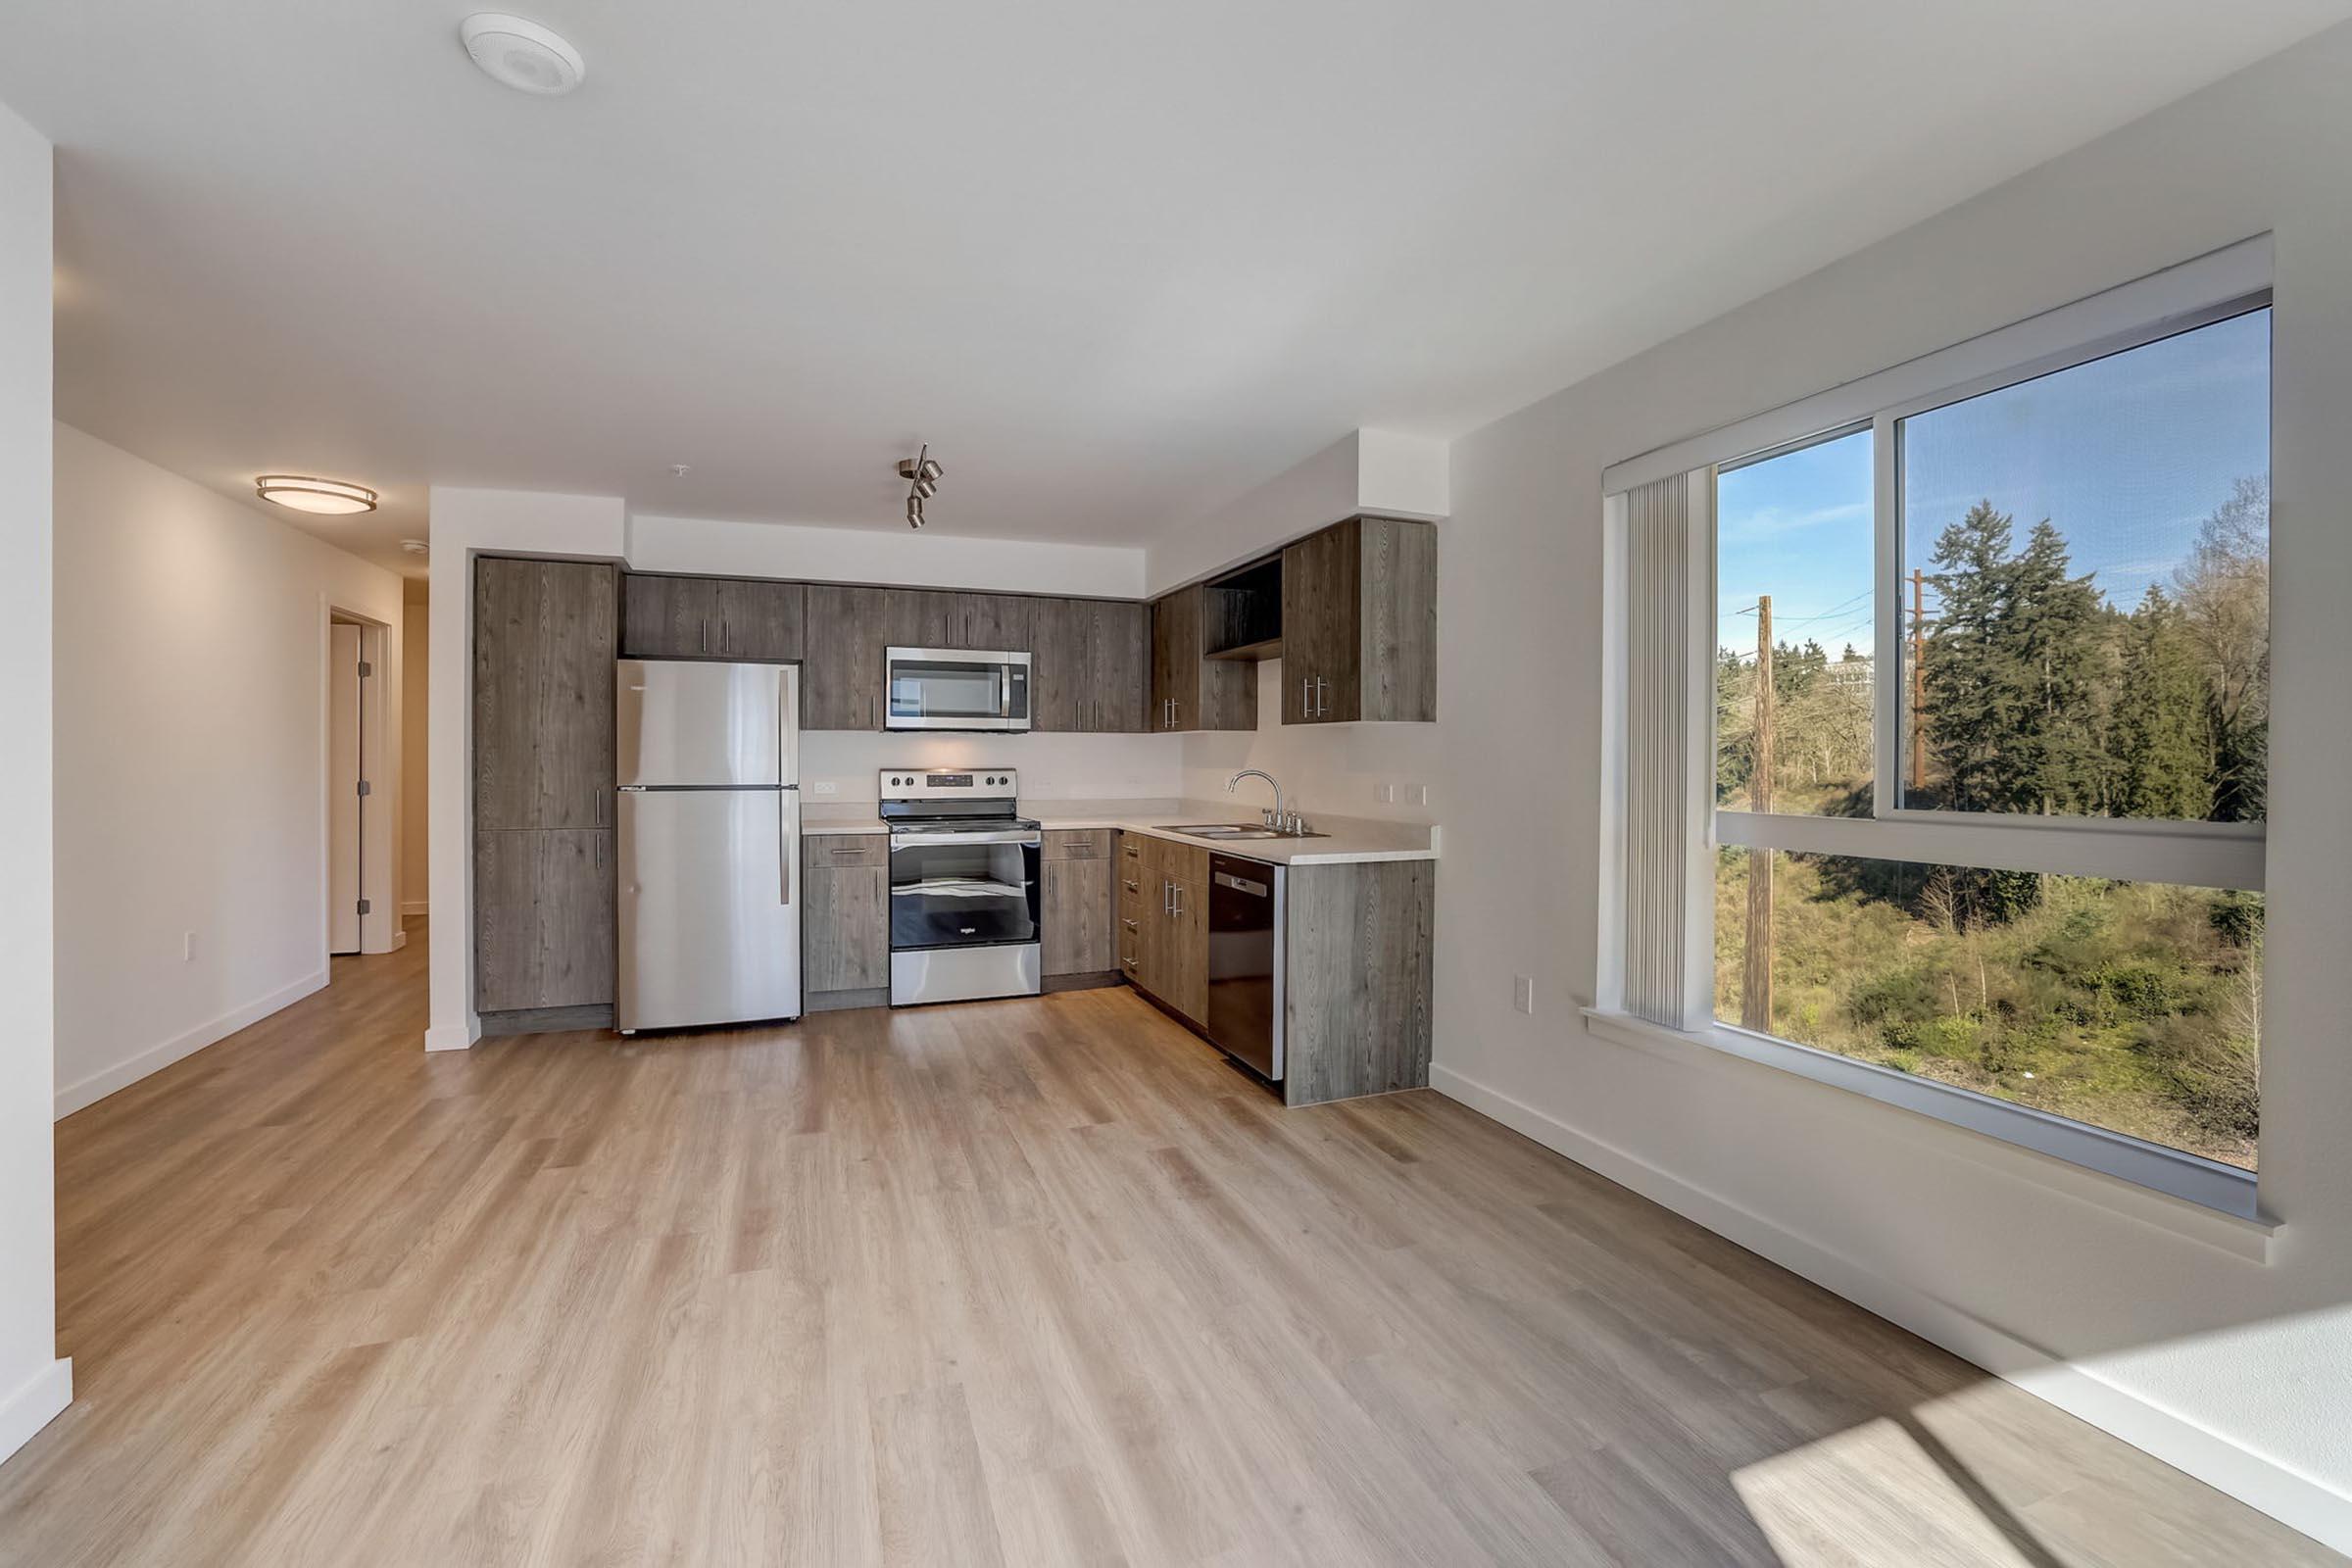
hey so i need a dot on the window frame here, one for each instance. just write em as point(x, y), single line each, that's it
point(2228, 283)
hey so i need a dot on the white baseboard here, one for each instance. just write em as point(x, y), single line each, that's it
point(2318, 1511)
point(449, 1037)
point(34, 1404)
point(414, 910)
point(400, 940)
point(88, 1091)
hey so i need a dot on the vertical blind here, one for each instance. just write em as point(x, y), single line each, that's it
point(1657, 750)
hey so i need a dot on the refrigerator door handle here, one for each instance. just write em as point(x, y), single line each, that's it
point(784, 845)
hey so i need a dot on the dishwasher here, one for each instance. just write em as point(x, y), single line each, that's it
point(1245, 963)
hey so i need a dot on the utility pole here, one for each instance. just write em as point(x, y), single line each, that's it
point(1755, 986)
point(1919, 680)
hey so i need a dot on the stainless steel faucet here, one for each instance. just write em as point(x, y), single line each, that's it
point(1277, 818)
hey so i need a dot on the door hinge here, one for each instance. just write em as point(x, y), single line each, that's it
point(366, 788)
point(364, 907)
point(365, 669)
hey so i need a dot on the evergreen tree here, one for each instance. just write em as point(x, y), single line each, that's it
point(1971, 692)
point(2159, 739)
point(2054, 763)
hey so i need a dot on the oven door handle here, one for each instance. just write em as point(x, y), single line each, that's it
point(915, 841)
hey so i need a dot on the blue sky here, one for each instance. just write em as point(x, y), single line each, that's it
point(2126, 455)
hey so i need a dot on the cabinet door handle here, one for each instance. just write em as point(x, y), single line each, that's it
point(1307, 707)
point(1176, 900)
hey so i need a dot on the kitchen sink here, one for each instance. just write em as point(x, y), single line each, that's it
point(1234, 830)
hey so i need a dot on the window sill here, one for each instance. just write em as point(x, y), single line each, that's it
point(2195, 1197)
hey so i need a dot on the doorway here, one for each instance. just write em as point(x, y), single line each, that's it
point(350, 689)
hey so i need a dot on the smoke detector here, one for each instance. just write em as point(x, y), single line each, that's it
point(523, 54)
point(414, 547)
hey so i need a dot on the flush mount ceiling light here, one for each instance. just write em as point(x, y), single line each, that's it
point(305, 492)
point(523, 54)
point(921, 472)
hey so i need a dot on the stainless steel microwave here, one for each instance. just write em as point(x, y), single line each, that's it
point(955, 688)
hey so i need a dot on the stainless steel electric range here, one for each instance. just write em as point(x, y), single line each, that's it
point(964, 891)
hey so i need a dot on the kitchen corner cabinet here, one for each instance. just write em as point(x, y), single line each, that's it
point(543, 638)
point(845, 918)
point(1190, 691)
point(1163, 921)
point(1359, 624)
point(712, 617)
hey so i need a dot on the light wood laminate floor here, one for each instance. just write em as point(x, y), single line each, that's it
point(1031, 1282)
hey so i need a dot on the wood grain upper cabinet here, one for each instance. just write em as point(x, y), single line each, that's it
point(1189, 691)
point(711, 618)
point(1119, 659)
point(840, 669)
point(1090, 665)
point(997, 622)
point(1359, 624)
point(544, 642)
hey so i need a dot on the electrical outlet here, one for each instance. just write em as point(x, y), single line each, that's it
point(1416, 795)
point(187, 947)
point(1385, 792)
point(1522, 993)
point(825, 786)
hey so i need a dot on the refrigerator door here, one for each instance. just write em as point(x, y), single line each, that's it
point(709, 906)
point(683, 721)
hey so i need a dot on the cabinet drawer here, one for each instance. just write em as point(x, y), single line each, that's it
point(1078, 844)
point(819, 850)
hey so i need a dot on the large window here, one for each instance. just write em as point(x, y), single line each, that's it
point(1989, 725)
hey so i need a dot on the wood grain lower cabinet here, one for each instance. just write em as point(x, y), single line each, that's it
point(1359, 946)
point(1163, 921)
point(845, 912)
point(544, 918)
point(1079, 915)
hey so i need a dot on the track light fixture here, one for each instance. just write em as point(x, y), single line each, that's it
point(921, 474)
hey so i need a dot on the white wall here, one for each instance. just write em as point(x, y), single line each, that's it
point(1330, 770)
point(415, 815)
point(2236, 1369)
point(894, 556)
point(1365, 470)
point(190, 688)
point(35, 1384)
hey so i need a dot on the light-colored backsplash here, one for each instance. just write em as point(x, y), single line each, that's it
point(1052, 767)
point(1326, 769)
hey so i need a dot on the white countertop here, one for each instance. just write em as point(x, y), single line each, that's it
point(1346, 840)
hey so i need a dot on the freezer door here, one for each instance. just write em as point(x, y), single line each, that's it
point(709, 906)
point(683, 721)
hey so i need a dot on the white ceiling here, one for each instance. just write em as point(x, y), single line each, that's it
point(1116, 262)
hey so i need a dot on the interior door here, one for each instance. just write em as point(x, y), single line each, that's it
point(345, 808)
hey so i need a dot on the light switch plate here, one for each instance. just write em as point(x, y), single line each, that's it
point(825, 786)
point(1522, 993)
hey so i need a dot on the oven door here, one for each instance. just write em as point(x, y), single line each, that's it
point(964, 889)
point(949, 688)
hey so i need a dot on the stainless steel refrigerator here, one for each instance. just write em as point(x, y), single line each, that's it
point(709, 764)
